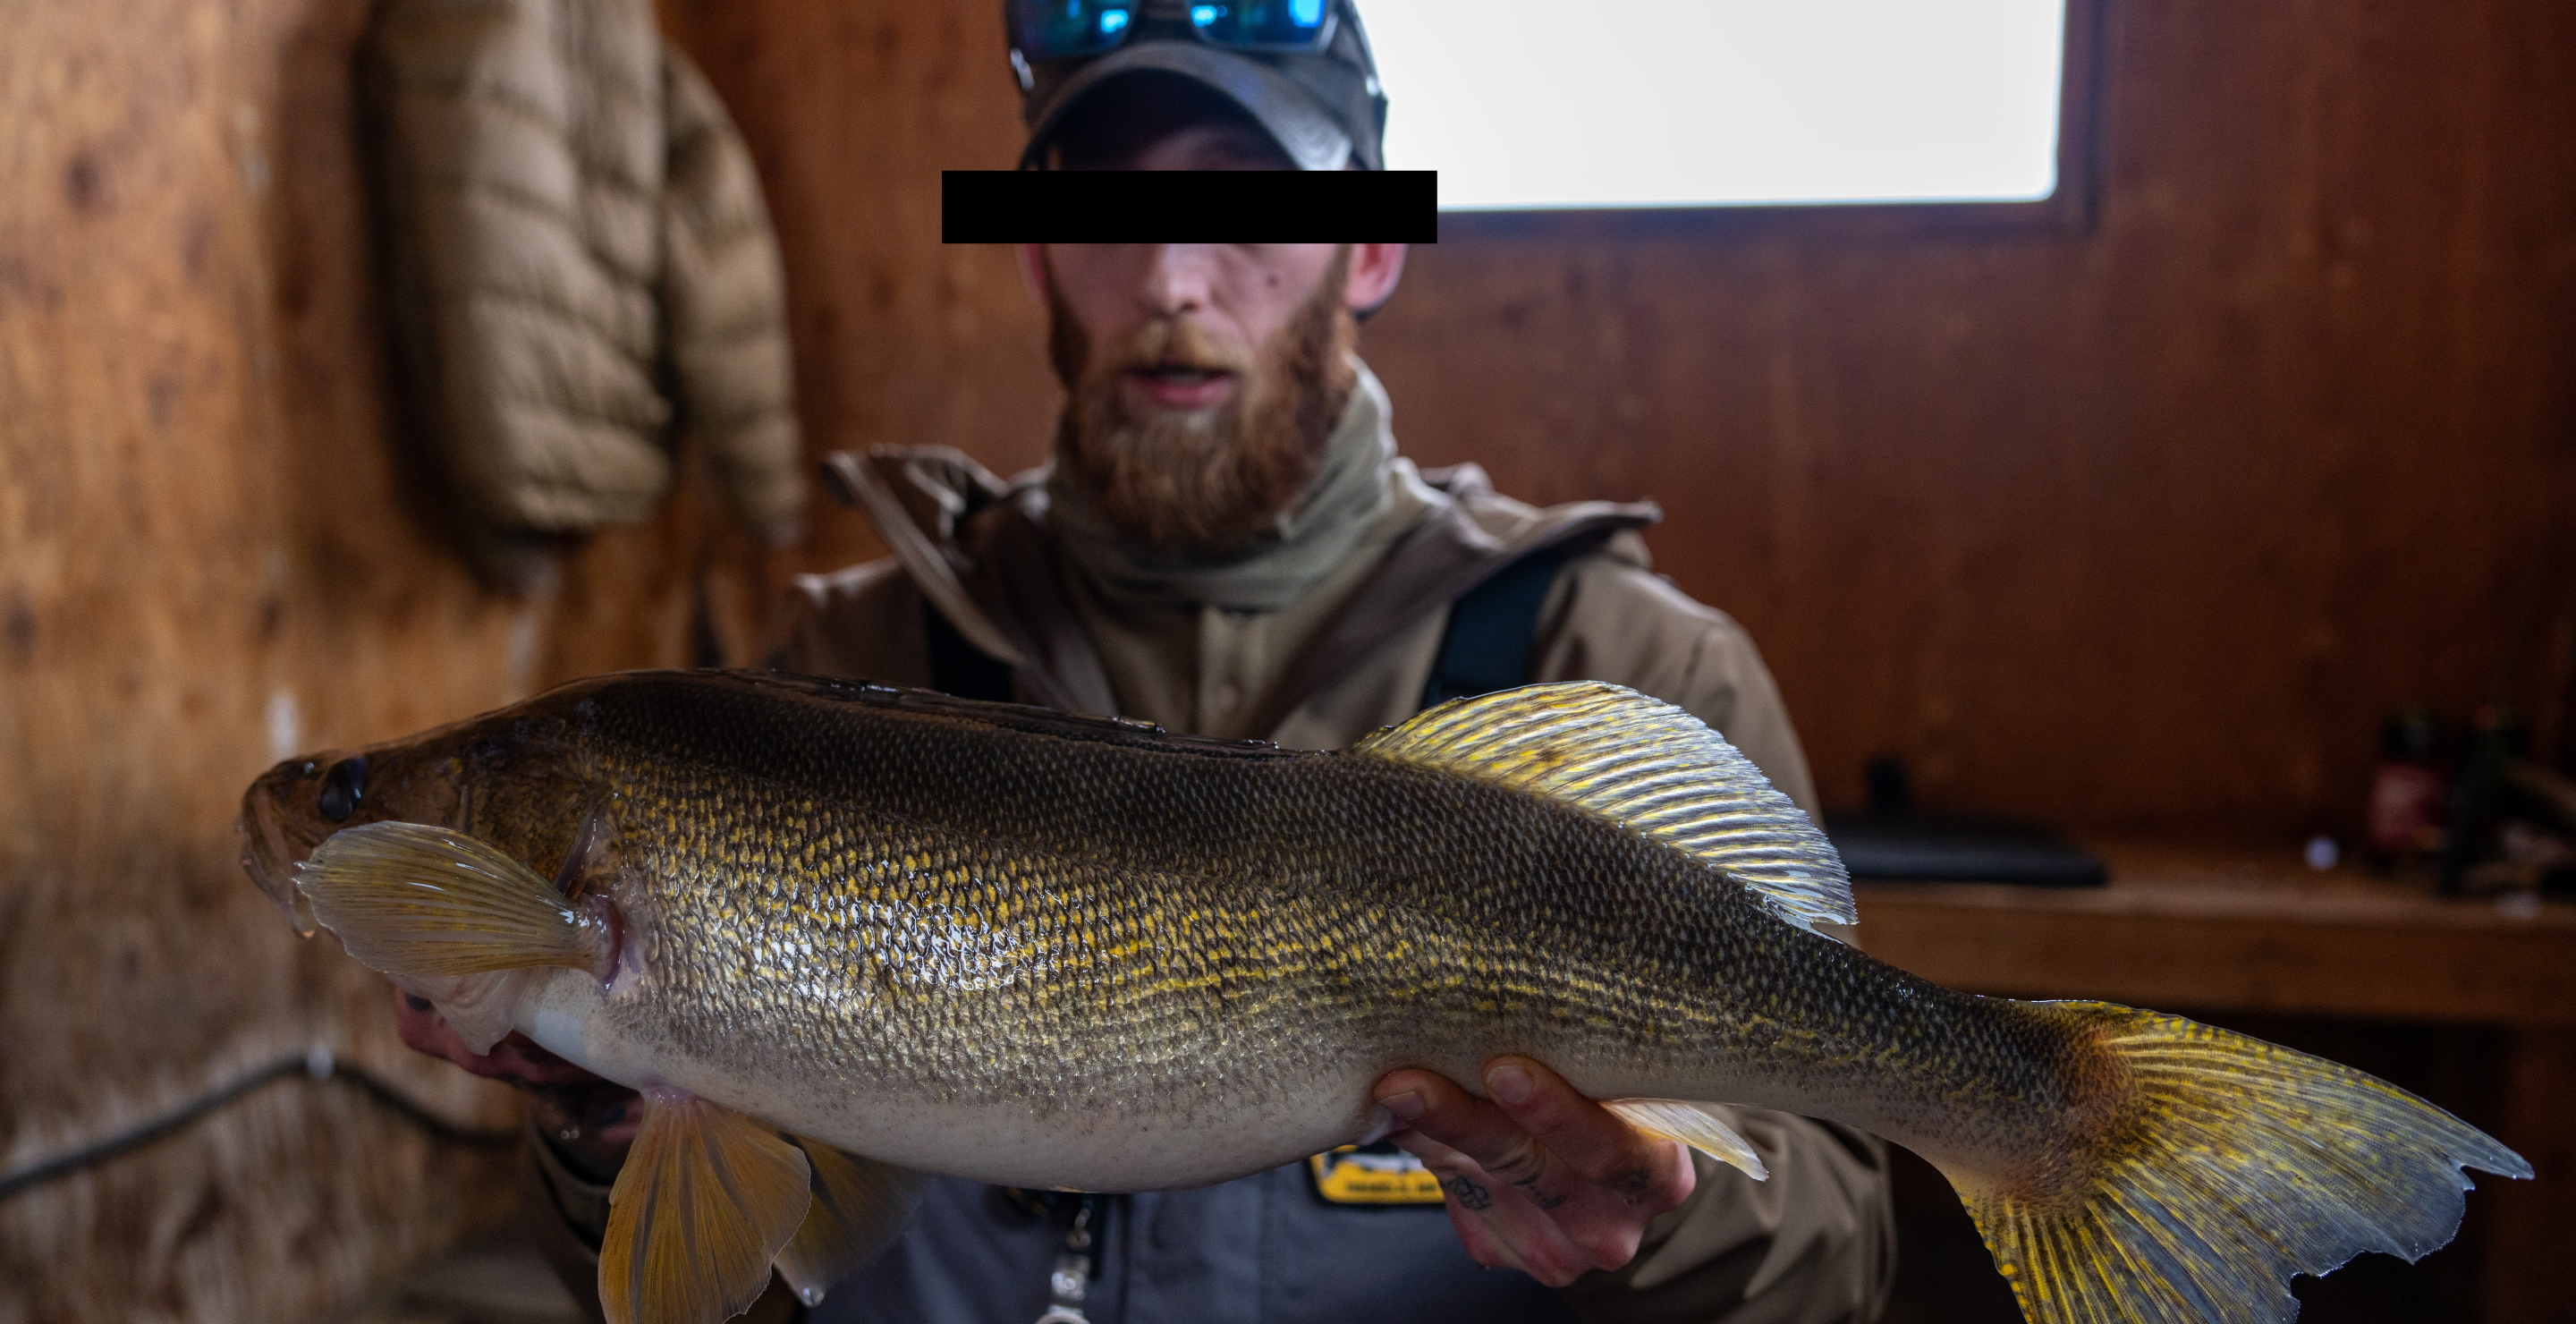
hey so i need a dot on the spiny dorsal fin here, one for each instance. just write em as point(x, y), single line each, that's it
point(1646, 765)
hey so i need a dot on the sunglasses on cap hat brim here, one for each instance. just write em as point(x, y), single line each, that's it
point(1071, 29)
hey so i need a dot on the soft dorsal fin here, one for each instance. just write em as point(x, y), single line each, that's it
point(1641, 763)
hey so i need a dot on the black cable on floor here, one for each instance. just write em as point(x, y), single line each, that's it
point(318, 1065)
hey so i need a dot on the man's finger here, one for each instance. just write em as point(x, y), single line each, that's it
point(1472, 1126)
point(1556, 1224)
point(1557, 1216)
point(1500, 1228)
point(1590, 1140)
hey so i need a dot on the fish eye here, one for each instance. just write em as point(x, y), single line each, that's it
point(343, 788)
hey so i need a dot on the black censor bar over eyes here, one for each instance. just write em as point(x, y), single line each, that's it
point(1189, 206)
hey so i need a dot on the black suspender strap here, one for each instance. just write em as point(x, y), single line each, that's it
point(958, 667)
point(1492, 628)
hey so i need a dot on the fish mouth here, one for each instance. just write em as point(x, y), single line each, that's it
point(272, 852)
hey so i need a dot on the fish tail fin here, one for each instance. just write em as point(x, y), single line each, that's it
point(451, 918)
point(707, 1198)
point(2206, 1168)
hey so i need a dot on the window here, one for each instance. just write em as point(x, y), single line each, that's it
point(1521, 104)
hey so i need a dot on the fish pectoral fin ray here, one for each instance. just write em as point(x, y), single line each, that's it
point(1646, 765)
point(2229, 1166)
point(450, 917)
point(414, 900)
point(1702, 1126)
point(860, 1206)
point(706, 1200)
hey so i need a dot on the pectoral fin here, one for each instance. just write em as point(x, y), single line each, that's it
point(451, 918)
point(1694, 1124)
point(414, 900)
point(860, 1205)
point(706, 1200)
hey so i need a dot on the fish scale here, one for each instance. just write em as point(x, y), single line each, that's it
point(862, 933)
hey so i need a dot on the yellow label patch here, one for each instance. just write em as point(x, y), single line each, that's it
point(1377, 1174)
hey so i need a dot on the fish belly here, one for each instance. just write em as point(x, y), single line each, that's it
point(1179, 1140)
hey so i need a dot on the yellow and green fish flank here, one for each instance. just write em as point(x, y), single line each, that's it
point(921, 934)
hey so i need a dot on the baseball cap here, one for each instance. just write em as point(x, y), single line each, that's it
point(1322, 105)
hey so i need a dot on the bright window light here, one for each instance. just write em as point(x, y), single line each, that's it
point(1681, 103)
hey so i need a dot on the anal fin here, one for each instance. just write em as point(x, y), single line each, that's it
point(706, 1200)
point(860, 1205)
point(1694, 1125)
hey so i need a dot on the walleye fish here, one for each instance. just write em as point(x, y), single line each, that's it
point(841, 935)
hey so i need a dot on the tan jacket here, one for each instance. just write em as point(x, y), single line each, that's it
point(581, 264)
point(1815, 1243)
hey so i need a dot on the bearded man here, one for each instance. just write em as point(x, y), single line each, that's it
point(1227, 542)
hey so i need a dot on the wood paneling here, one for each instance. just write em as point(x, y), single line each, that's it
point(2145, 526)
point(211, 556)
point(2141, 526)
point(852, 110)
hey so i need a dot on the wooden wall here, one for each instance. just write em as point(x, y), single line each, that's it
point(211, 558)
point(2143, 527)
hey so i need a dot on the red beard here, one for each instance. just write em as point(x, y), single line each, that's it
point(1205, 482)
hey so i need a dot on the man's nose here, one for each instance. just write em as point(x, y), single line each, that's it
point(1177, 279)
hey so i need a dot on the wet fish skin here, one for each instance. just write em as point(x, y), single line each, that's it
point(1059, 952)
point(846, 894)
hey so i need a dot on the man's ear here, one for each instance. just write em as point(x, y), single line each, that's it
point(1032, 270)
point(1375, 268)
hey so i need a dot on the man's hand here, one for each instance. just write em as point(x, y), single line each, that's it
point(1539, 1178)
point(590, 1120)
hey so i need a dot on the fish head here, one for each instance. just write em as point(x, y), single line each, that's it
point(511, 777)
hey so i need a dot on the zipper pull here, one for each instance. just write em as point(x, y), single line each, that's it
point(1072, 1276)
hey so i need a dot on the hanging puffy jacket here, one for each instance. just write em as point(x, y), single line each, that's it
point(582, 269)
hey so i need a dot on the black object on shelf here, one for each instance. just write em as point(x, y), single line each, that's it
point(2496, 738)
point(1892, 843)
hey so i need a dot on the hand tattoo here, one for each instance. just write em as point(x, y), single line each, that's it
point(1538, 1197)
point(1470, 1196)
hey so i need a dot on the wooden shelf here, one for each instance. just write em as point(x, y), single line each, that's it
point(2235, 930)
